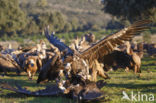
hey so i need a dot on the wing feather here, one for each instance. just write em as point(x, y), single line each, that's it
point(107, 44)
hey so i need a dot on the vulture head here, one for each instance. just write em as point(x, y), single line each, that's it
point(31, 65)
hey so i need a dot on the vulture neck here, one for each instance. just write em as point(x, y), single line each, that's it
point(128, 50)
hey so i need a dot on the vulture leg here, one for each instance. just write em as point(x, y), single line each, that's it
point(135, 69)
point(94, 74)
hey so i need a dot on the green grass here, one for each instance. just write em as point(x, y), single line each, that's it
point(65, 36)
point(120, 81)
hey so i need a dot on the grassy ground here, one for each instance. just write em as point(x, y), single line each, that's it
point(120, 81)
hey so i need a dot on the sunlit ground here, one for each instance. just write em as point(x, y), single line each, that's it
point(120, 81)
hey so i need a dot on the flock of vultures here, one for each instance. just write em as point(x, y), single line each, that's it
point(75, 68)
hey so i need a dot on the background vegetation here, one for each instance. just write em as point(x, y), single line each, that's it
point(30, 17)
point(131, 10)
point(26, 19)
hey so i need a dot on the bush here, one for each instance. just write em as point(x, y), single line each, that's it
point(147, 37)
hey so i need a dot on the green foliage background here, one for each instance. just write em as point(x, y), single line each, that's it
point(12, 18)
point(20, 19)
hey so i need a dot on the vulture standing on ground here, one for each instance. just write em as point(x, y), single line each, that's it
point(135, 58)
point(85, 90)
point(97, 51)
point(117, 59)
point(32, 59)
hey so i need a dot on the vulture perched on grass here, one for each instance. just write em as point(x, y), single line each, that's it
point(97, 51)
point(119, 59)
point(31, 59)
point(78, 65)
point(31, 65)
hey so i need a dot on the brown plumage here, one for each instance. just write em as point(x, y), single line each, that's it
point(128, 58)
point(120, 59)
point(88, 91)
point(107, 45)
point(90, 37)
point(50, 71)
point(140, 50)
point(85, 91)
point(135, 57)
point(102, 47)
point(31, 65)
point(8, 64)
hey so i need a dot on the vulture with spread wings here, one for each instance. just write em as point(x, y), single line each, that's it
point(108, 44)
point(76, 65)
point(97, 51)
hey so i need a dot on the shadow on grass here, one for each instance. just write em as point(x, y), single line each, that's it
point(58, 99)
point(13, 74)
point(147, 59)
point(150, 64)
point(131, 85)
point(136, 77)
point(149, 90)
point(12, 95)
point(63, 100)
point(23, 83)
point(44, 99)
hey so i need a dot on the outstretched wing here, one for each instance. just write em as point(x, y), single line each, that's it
point(93, 96)
point(57, 43)
point(52, 90)
point(108, 44)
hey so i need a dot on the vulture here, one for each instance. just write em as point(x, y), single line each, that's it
point(8, 64)
point(79, 67)
point(90, 37)
point(51, 70)
point(96, 52)
point(119, 59)
point(135, 58)
point(32, 59)
point(31, 65)
point(87, 92)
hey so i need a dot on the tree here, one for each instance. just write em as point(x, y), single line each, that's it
point(41, 3)
point(59, 26)
point(74, 23)
point(12, 18)
point(147, 37)
point(95, 27)
point(130, 9)
point(43, 20)
point(67, 27)
point(55, 20)
point(31, 27)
